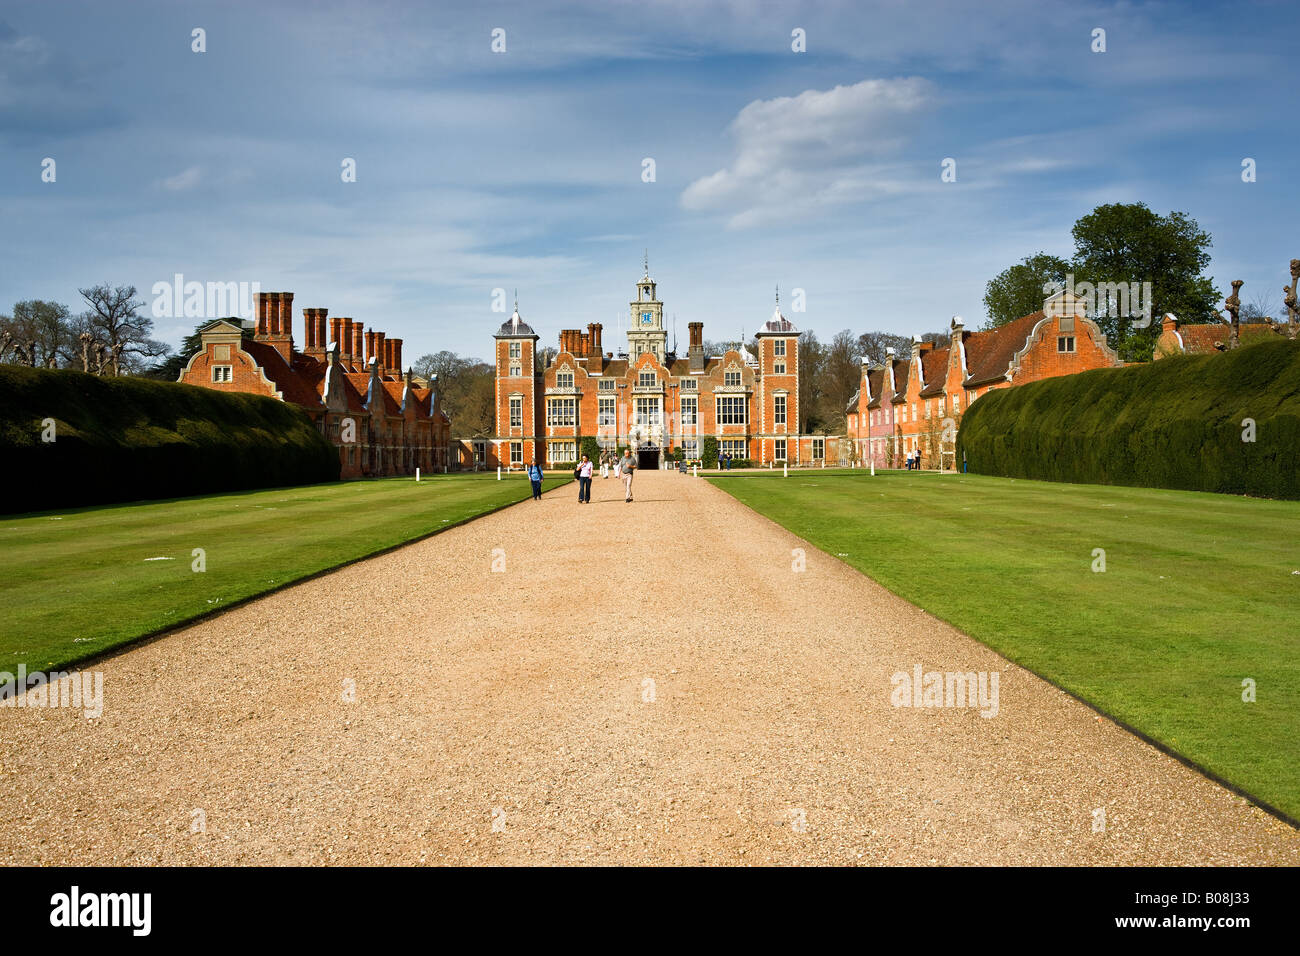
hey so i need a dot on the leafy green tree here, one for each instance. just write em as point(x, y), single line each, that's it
point(1127, 242)
point(1018, 290)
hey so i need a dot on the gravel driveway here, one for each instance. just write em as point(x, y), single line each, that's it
point(643, 683)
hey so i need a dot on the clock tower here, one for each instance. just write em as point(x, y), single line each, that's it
point(647, 332)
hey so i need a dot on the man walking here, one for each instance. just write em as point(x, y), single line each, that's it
point(535, 476)
point(584, 480)
point(628, 467)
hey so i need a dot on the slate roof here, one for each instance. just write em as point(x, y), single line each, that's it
point(514, 326)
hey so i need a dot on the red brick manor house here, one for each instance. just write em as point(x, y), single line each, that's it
point(902, 405)
point(648, 397)
point(348, 380)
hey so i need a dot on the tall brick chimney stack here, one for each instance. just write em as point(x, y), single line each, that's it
point(388, 353)
point(358, 343)
point(347, 355)
point(695, 331)
point(322, 337)
point(585, 343)
point(336, 333)
point(370, 345)
point(314, 326)
point(279, 333)
point(595, 340)
point(397, 355)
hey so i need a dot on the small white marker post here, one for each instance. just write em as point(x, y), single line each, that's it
point(873, 468)
point(785, 469)
point(498, 472)
point(417, 476)
point(695, 471)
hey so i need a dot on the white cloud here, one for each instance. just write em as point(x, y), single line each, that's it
point(821, 147)
point(187, 179)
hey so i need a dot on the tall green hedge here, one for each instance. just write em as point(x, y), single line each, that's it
point(1175, 423)
point(123, 439)
point(709, 452)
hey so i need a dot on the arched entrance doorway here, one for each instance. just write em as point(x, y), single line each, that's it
point(647, 456)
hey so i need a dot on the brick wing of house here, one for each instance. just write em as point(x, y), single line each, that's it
point(914, 403)
point(348, 380)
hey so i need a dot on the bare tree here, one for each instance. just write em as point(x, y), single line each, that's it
point(115, 320)
point(874, 344)
point(44, 327)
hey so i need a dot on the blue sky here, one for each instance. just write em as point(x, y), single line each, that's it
point(479, 170)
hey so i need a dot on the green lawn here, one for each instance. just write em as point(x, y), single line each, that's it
point(75, 583)
point(1200, 591)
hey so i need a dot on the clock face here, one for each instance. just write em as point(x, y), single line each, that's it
point(646, 318)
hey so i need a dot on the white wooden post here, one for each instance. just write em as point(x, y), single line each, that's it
point(785, 469)
point(873, 467)
point(417, 475)
point(498, 472)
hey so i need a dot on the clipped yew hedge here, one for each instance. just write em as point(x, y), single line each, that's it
point(124, 439)
point(1174, 423)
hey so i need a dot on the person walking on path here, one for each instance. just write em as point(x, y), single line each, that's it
point(628, 467)
point(535, 476)
point(604, 464)
point(618, 467)
point(585, 468)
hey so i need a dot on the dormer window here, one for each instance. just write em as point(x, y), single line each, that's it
point(564, 379)
point(731, 379)
point(647, 379)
